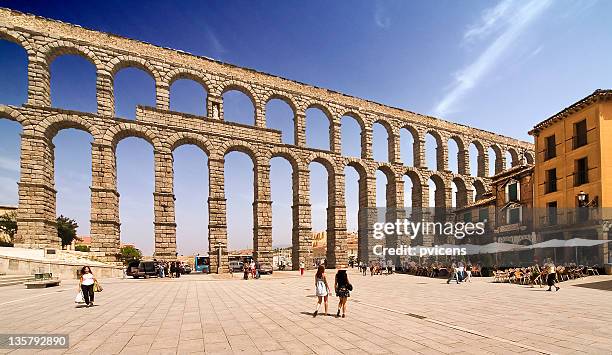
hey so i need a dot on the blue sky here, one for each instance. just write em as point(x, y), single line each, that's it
point(501, 66)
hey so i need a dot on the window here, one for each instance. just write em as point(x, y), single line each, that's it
point(514, 215)
point(467, 217)
point(581, 172)
point(551, 147)
point(483, 214)
point(551, 181)
point(580, 134)
point(512, 191)
point(551, 211)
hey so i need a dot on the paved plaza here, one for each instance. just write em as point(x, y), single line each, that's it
point(387, 314)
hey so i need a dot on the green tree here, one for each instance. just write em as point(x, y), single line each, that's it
point(8, 225)
point(129, 253)
point(66, 229)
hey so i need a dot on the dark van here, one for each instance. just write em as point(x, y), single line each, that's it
point(144, 269)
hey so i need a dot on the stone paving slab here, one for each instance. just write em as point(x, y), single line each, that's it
point(399, 314)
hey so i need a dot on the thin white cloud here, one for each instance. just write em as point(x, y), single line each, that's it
point(381, 18)
point(217, 46)
point(491, 19)
point(516, 21)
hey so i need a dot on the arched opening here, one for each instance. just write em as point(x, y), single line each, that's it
point(437, 197)
point(10, 142)
point(239, 193)
point(453, 155)
point(495, 162)
point(408, 146)
point(433, 151)
point(351, 132)
point(132, 87)
point(510, 160)
point(191, 195)
point(460, 193)
point(319, 200)
point(318, 129)
point(188, 96)
point(13, 73)
point(351, 182)
point(136, 184)
point(356, 197)
point(280, 116)
point(73, 83)
point(238, 107)
point(72, 174)
point(476, 159)
point(529, 158)
point(479, 190)
point(380, 142)
point(281, 190)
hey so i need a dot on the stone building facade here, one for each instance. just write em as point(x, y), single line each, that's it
point(44, 40)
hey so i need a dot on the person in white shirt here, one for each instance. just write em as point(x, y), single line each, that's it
point(86, 284)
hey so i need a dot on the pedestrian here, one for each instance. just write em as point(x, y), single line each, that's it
point(86, 285)
point(321, 289)
point(178, 269)
point(257, 269)
point(552, 275)
point(166, 269)
point(302, 268)
point(371, 269)
point(172, 269)
point(245, 270)
point(252, 267)
point(460, 271)
point(343, 288)
point(161, 270)
point(452, 273)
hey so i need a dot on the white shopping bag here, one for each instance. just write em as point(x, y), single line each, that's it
point(79, 298)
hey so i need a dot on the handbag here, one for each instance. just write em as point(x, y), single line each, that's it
point(97, 287)
point(350, 287)
point(79, 298)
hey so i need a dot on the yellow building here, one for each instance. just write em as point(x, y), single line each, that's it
point(573, 174)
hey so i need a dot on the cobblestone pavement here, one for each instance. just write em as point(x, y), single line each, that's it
point(386, 314)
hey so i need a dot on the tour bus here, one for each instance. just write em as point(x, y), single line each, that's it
point(202, 264)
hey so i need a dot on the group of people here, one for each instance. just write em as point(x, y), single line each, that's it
point(376, 268)
point(252, 269)
point(342, 288)
point(459, 272)
point(171, 269)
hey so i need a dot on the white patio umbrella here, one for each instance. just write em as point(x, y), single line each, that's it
point(581, 242)
point(500, 248)
point(553, 243)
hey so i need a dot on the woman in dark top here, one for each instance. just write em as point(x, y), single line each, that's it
point(343, 288)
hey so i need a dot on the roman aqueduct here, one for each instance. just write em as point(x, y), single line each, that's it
point(44, 40)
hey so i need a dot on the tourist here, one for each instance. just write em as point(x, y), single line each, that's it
point(343, 288)
point(552, 275)
point(252, 267)
point(321, 289)
point(364, 268)
point(86, 285)
point(371, 269)
point(172, 269)
point(178, 269)
point(452, 273)
point(166, 269)
point(460, 271)
point(160, 270)
point(302, 268)
point(245, 270)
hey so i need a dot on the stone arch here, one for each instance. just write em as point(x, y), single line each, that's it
point(347, 117)
point(390, 137)
point(529, 157)
point(242, 147)
point(462, 197)
point(292, 158)
point(417, 148)
point(417, 187)
point(17, 38)
point(499, 158)
point(286, 98)
point(52, 125)
point(482, 160)
point(325, 160)
point(183, 73)
point(356, 116)
point(440, 149)
point(516, 160)
point(441, 202)
point(59, 48)
point(127, 61)
point(118, 132)
point(184, 138)
point(330, 119)
point(13, 115)
point(479, 189)
point(244, 88)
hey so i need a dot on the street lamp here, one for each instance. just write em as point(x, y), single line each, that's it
point(582, 198)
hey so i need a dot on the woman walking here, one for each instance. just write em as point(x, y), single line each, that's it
point(86, 284)
point(552, 276)
point(321, 289)
point(343, 288)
